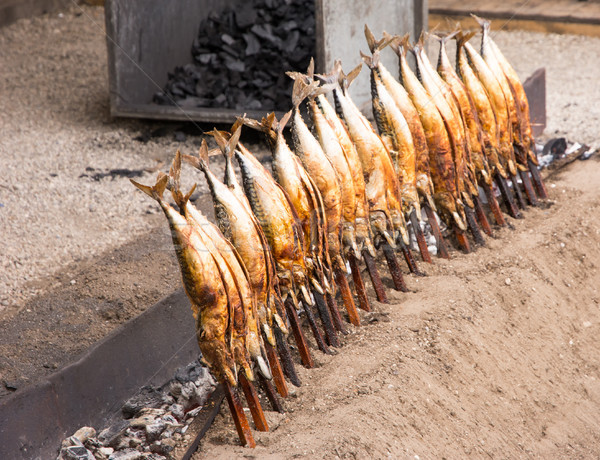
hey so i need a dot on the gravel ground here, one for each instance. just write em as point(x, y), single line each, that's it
point(57, 135)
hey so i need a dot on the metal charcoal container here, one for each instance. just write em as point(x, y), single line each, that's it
point(146, 39)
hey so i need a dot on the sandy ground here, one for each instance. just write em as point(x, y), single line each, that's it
point(493, 355)
point(475, 365)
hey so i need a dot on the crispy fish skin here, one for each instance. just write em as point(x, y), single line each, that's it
point(519, 96)
point(206, 291)
point(362, 228)
point(498, 101)
point(411, 115)
point(277, 219)
point(377, 168)
point(245, 337)
point(318, 166)
point(333, 150)
point(241, 229)
point(442, 98)
point(483, 106)
point(490, 57)
point(443, 173)
point(395, 132)
point(468, 113)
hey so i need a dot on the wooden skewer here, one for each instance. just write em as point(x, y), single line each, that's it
point(342, 282)
point(519, 194)
point(481, 217)
point(326, 319)
point(473, 227)
point(375, 278)
point(410, 259)
point(437, 233)
point(315, 329)
point(303, 350)
point(260, 422)
point(463, 242)
point(276, 370)
point(392, 261)
point(359, 284)
point(416, 225)
point(538, 183)
point(335, 313)
point(529, 192)
point(269, 390)
point(507, 197)
point(494, 206)
point(289, 369)
point(239, 418)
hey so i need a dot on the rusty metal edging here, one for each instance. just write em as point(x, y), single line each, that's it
point(146, 350)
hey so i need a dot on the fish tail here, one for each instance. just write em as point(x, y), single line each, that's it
point(371, 42)
point(462, 38)
point(302, 88)
point(155, 191)
point(484, 23)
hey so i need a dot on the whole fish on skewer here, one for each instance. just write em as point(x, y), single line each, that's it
point(364, 240)
point(206, 292)
point(230, 179)
point(473, 129)
point(281, 226)
point(498, 102)
point(443, 173)
point(402, 99)
point(232, 270)
point(311, 155)
point(527, 143)
point(307, 202)
point(381, 182)
point(395, 132)
point(240, 227)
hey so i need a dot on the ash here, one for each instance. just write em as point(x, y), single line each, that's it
point(240, 57)
point(152, 423)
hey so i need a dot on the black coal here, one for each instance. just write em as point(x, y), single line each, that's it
point(240, 57)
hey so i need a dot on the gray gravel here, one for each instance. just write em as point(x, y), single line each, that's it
point(55, 123)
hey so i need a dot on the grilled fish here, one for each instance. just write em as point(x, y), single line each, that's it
point(381, 183)
point(518, 92)
point(482, 105)
point(467, 110)
point(395, 133)
point(443, 173)
point(206, 291)
point(444, 101)
point(318, 166)
point(498, 101)
point(361, 221)
point(402, 99)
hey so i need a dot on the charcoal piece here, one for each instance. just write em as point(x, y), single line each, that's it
point(227, 39)
point(291, 42)
point(556, 147)
point(235, 66)
point(220, 99)
point(252, 44)
point(245, 15)
point(265, 31)
point(148, 396)
point(254, 104)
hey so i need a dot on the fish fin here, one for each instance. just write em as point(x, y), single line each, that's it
point(194, 161)
point(462, 38)
point(310, 71)
point(189, 194)
point(175, 171)
point(353, 74)
point(220, 140)
point(371, 61)
point(371, 42)
point(236, 132)
point(251, 123)
point(157, 190)
point(302, 89)
point(203, 152)
point(484, 23)
point(284, 120)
